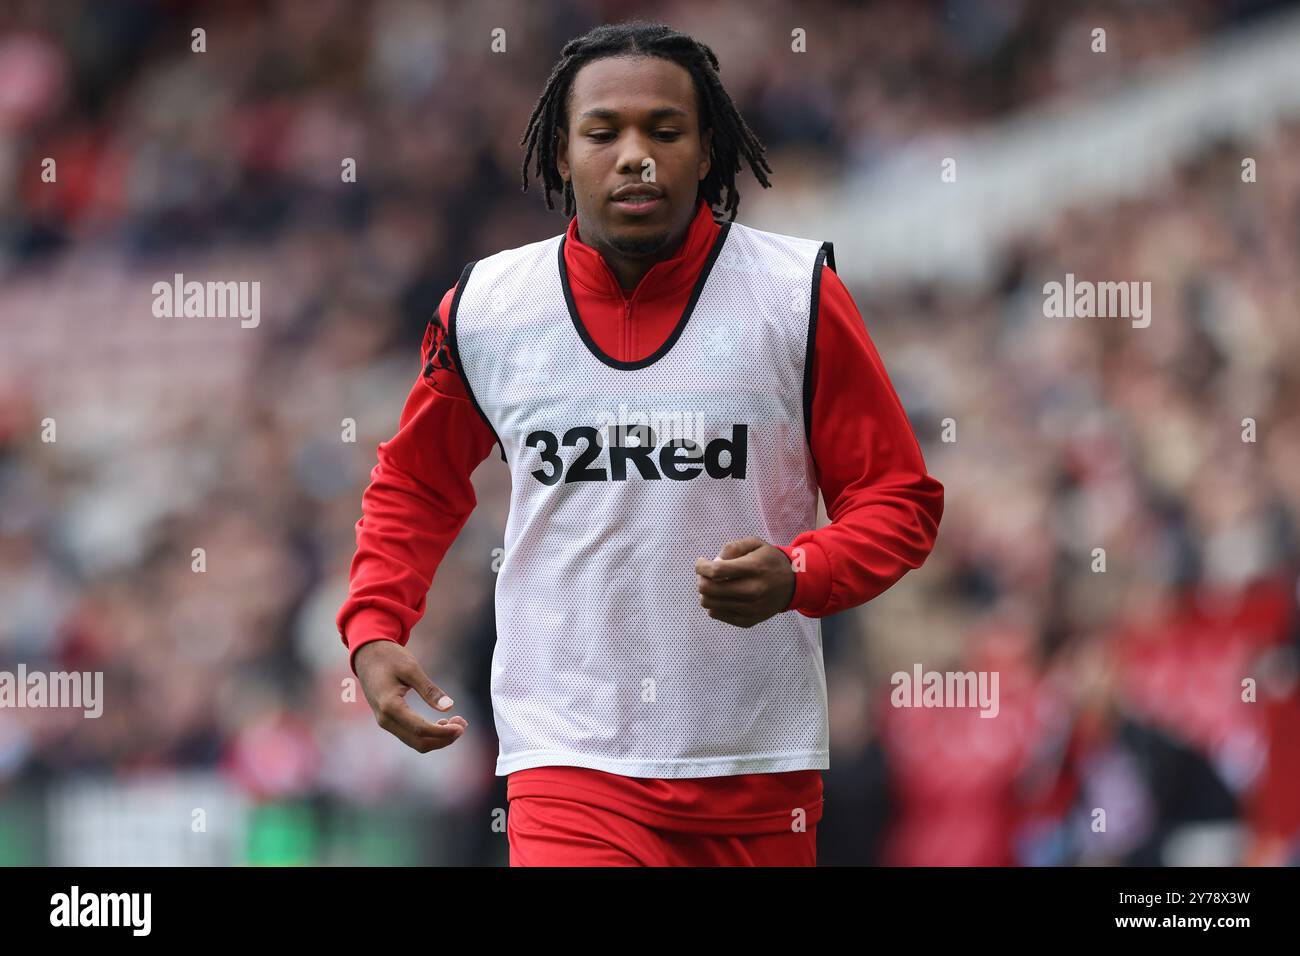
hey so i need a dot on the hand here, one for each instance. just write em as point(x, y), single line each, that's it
point(748, 582)
point(387, 670)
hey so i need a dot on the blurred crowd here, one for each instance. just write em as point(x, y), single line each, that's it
point(1174, 450)
point(1121, 688)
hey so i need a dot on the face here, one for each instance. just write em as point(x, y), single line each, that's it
point(622, 111)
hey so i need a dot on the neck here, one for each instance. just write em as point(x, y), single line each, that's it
point(630, 268)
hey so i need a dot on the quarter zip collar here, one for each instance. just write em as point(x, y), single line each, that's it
point(588, 268)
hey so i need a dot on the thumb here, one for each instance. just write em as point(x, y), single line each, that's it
point(415, 678)
point(738, 548)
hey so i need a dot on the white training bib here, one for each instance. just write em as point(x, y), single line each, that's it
point(622, 474)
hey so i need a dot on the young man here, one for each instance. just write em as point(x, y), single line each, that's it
point(663, 387)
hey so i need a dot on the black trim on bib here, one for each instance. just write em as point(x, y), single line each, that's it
point(455, 352)
point(660, 352)
point(825, 255)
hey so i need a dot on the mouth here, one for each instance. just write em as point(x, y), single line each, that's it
point(638, 199)
point(639, 205)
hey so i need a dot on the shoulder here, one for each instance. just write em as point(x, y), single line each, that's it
point(745, 239)
point(438, 368)
point(437, 356)
point(532, 254)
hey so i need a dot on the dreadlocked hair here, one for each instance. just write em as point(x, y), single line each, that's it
point(732, 137)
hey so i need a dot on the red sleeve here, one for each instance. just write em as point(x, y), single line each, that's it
point(419, 497)
point(884, 509)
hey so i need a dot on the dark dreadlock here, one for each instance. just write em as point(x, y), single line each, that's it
point(732, 138)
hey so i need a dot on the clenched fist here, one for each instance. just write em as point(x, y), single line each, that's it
point(748, 582)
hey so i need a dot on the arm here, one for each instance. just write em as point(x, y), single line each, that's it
point(419, 497)
point(884, 507)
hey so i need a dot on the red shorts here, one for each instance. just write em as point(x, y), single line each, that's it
point(549, 831)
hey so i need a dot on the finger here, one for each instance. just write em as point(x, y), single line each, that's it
point(725, 604)
point(400, 720)
point(730, 590)
point(709, 569)
point(736, 617)
point(723, 569)
point(405, 736)
point(739, 547)
point(745, 566)
point(414, 677)
point(425, 743)
point(442, 723)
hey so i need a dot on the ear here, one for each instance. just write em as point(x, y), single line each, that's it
point(562, 152)
point(706, 141)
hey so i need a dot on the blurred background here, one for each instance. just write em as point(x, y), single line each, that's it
point(1120, 688)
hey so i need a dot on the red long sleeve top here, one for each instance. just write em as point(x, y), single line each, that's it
point(884, 511)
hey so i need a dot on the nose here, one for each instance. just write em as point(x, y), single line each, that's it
point(634, 149)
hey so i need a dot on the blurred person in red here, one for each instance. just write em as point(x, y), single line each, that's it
point(1109, 785)
point(643, 722)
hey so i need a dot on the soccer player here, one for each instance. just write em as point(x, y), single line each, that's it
point(669, 392)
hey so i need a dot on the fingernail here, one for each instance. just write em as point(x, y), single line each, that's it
point(444, 702)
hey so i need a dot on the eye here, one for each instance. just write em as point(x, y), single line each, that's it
point(601, 135)
point(668, 134)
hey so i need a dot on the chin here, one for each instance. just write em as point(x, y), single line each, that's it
point(638, 244)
